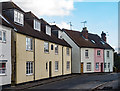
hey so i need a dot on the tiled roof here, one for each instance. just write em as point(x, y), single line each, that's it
point(94, 41)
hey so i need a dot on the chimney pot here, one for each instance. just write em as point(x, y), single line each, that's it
point(85, 33)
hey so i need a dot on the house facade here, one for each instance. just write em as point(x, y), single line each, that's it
point(89, 51)
point(5, 55)
point(37, 54)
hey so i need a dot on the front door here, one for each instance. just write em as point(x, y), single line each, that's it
point(81, 67)
point(50, 69)
point(101, 67)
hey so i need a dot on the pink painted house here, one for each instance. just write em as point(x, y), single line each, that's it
point(98, 60)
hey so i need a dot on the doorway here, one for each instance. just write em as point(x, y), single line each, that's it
point(82, 67)
point(101, 67)
point(50, 69)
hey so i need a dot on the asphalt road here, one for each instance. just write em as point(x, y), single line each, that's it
point(85, 81)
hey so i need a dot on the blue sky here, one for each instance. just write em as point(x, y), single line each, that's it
point(100, 16)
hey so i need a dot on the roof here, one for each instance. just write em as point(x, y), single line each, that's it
point(4, 23)
point(94, 41)
point(10, 5)
point(55, 27)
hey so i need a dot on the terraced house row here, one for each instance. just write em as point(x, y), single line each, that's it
point(32, 49)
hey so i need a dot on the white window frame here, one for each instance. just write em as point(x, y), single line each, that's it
point(29, 44)
point(98, 52)
point(56, 49)
point(18, 17)
point(46, 47)
point(48, 30)
point(89, 66)
point(56, 65)
point(67, 51)
point(86, 53)
point(97, 66)
point(29, 68)
point(5, 69)
point(3, 38)
point(68, 65)
point(37, 25)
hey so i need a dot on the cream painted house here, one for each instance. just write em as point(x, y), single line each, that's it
point(36, 52)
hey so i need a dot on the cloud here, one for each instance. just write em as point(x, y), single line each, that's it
point(46, 7)
point(63, 25)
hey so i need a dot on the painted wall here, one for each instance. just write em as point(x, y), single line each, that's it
point(76, 61)
point(109, 59)
point(99, 59)
point(5, 54)
point(22, 56)
point(41, 58)
point(89, 59)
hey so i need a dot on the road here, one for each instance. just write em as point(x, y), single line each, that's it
point(85, 81)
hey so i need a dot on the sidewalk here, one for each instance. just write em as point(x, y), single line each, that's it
point(37, 83)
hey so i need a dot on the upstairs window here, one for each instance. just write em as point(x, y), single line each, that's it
point(67, 51)
point(18, 17)
point(48, 30)
point(36, 25)
point(86, 53)
point(2, 36)
point(98, 52)
point(29, 44)
point(2, 68)
point(56, 49)
point(108, 54)
point(46, 47)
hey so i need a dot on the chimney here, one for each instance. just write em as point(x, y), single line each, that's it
point(103, 36)
point(85, 33)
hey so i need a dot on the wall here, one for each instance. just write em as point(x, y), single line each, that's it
point(76, 61)
point(109, 60)
point(85, 60)
point(6, 52)
point(99, 59)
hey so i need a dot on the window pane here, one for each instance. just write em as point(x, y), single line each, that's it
point(4, 36)
point(46, 47)
point(56, 49)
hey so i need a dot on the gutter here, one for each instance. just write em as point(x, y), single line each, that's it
point(34, 59)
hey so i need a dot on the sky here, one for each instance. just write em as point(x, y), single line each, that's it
point(101, 15)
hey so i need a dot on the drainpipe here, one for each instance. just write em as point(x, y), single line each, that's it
point(34, 59)
point(71, 60)
point(104, 59)
point(62, 61)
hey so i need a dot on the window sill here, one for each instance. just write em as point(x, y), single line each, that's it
point(3, 42)
point(46, 52)
point(56, 70)
point(56, 53)
point(29, 50)
point(29, 74)
point(87, 57)
point(3, 75)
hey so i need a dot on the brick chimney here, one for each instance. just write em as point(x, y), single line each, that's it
point(85, 33)
point(103, 36)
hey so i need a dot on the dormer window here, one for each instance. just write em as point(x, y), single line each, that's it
point(93, 41)
point(36, 25)
point(102, 42)
point(48, 30)
point(18, 17)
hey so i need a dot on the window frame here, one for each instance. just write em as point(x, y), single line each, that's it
point(56, 49)
point(86, 53)
point(46, 50)
point(89, 66)
point(68, 65)
point(18, 17)
point(37, 25)
point(29, 68)
point(108, 54)
point(4, 68)
point(56, 66)
point(97, 66)
point(3, 37)
point(67, 51)
point(98, 52)
point(108, 65)
point(48, 30)
point(29, 44)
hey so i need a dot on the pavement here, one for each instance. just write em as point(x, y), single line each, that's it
point(85, 81)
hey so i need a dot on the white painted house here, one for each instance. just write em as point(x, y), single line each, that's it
point(5, 53)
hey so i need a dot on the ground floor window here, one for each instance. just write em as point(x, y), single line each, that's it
point(2, 68)
point(56, 65)
point(29, 68)
point(68, 65)
point(105, 65)
point(97, 66)
point(108, 65)
point(88, 66)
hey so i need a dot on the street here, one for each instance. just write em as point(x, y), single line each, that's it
point(84, 81)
